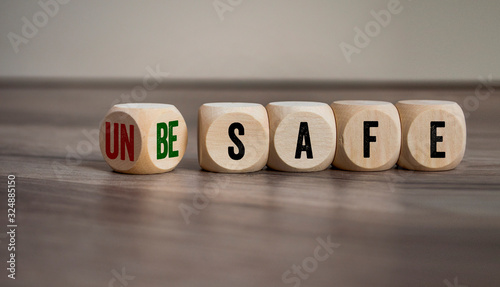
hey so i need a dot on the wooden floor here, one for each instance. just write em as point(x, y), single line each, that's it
point(80, 224)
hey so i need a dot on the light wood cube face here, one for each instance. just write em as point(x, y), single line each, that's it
point(368, 135)
point(233, 137)
point(434, 135)
point(302, 136)
point(143, 138)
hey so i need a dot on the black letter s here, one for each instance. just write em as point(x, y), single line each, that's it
point(236, 140)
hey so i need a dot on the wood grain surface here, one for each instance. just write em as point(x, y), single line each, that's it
point(79, 223)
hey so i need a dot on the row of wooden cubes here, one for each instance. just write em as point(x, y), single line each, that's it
point(288, 136)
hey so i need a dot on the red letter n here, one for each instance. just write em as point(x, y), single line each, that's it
point(127, 142)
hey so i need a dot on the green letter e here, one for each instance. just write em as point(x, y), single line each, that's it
point(172, 138)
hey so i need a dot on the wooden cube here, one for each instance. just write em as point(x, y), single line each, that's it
point(233, 137)
point(368, 135)
point(434, 135)
point(143, 138)
point(302, 136)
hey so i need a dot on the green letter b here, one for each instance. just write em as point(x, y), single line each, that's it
point(161, 140)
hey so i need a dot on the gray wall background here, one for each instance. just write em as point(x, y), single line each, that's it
point(429, 40)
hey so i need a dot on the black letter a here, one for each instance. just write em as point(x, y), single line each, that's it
point(304, 136)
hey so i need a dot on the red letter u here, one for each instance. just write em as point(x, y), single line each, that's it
point(114, 154)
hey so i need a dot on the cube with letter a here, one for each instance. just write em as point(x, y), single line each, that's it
point(302, 136)
point(143, 138)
